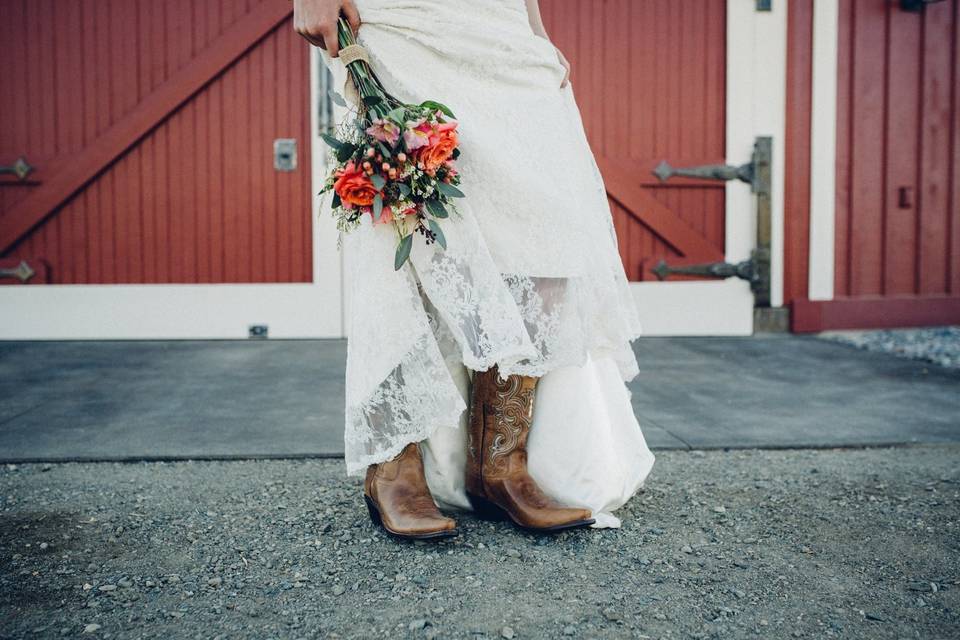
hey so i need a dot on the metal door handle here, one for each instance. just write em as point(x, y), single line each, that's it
point(20, 168)
point(23, 271)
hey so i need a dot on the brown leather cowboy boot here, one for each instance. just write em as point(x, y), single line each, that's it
point(497, 480)
point(399, 499)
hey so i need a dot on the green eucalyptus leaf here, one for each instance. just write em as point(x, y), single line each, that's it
point(377, 206)
point(435, 227)
point(397, 115)
point(404, 189)
point(436, 208)
point(345, 150)
point(378, 181)
point(384, 149)
point(403, 251)
point(449, 190)
point(337, 98)
point(330, 140)
point(433, 104)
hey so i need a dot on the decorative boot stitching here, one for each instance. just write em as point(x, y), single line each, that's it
point(512, 406)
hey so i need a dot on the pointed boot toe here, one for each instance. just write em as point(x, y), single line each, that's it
point(399, 500)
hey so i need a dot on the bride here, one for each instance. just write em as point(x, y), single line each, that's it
point(488, 376)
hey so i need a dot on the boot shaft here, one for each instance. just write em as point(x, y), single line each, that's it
point(500, 418)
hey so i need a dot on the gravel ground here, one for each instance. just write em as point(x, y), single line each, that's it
point(939, 345)
point(859, 543)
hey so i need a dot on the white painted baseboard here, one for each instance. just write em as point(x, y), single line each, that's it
point(167, 311)
point(694, 308)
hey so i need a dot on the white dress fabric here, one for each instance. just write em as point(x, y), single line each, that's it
point(531, 279)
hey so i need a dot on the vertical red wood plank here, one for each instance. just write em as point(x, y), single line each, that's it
point(232, 124)
point(616, 87)
point(130, 211)
point(163, 203)
point(204, 184)
point(19, 72)
point(294, 113)
point(7, 34)
point(953, 263)
point(147, 203)
point(187, 159)
point(715, 111)
point(121, 227)
point(70, 74)
point(103, 65)
point(105, 220)
point(42, 80)
point(244, 169)
point(694, 85)
point(304, 201)
point(259, 159)
point(934, 183)
point(156, 35)
point(868, 147)
point(271, 213)
point(282, 128)
point(843, 152)
point(216, 160)
point(902, 54)
point(642, 60)
point(213, 153)
point(797, 150)
point(672, 107)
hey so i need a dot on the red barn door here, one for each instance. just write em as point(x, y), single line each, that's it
point(151, 126)
point(650, 80)
point(898, 164)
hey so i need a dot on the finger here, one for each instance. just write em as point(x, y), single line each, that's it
point(317, 42)
point(330, 40)
point(352, 15)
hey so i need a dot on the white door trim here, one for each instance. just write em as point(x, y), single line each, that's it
point(756, 106)
point(188, 311)
point(823, 149)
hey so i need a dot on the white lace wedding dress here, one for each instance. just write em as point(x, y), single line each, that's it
point(531, 278)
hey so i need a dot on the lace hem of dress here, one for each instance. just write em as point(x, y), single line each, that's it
point(543, 324)
point(415, 399)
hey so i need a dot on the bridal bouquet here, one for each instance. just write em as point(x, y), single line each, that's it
point(394, 161)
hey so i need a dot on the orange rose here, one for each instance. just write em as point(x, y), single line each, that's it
point(353, 186)
point(440, 148)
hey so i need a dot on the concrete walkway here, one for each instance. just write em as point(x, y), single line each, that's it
point(209, 399)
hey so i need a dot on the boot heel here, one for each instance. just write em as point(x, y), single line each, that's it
point(374, 513)
point(486, 509)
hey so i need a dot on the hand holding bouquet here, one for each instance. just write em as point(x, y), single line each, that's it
point(394, 161)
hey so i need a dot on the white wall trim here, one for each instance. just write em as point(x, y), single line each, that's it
point(694, 307)
point(823, 148)
point(166, 311)
point(756, 106)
